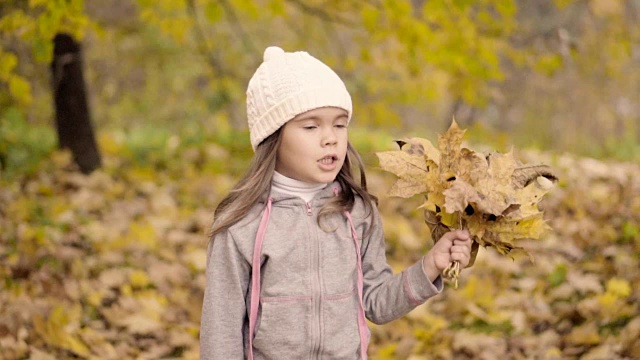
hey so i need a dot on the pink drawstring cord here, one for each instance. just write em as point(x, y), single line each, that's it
point(362, 324)
point(255, 275)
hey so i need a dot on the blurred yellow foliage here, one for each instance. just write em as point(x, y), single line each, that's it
point(59, 328)
point(619, 288)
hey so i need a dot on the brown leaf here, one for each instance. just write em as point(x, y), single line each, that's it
point(501, 167)
point(37, 354)
point(586, 334)
point(420, 146)
point(478, 346)
point(406, 189)
point(403, 164)
point(437, 227)
point(449, 144)
point(528, 199)
point(475, 246)
point(472, 166)
point(414, 172)
point(524, 175)
point(459, 196)
point(508, 230)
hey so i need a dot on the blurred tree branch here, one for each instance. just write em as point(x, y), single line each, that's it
point(236, 23)
point(321, 14)
point(203, 46)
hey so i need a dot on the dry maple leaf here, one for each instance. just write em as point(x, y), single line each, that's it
point(493, 196)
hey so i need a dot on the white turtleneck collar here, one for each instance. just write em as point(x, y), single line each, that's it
point(290, 186)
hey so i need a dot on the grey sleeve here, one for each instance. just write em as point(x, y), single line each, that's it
point(386, 296)
point(223, 308)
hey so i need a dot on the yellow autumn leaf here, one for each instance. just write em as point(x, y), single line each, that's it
point(501, 167)
point(480, 290)
point(94, 298)
point(449, 145)
point(430, 326)
point(420, 146)
point(399, 230)
point(411, 170)
point(451, 220)
point(98, 343)
point(508, 230)
point(144, 234)
point(196, 259)
point(529, 197)
point(56, 329)
point(139, 279)
point(37, 354)
point(472, 167)
point(586, 334)
point(620, 288)
point(62, 158)
point(403, 164)
point(406, 189)
point(108, 143)
point(459, 196)
point(497, 192)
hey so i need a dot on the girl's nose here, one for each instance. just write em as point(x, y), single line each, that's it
point(329, 138)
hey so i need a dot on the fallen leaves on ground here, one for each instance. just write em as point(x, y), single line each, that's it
point(111, 266)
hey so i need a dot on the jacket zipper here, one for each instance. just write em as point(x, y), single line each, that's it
point(315, 288)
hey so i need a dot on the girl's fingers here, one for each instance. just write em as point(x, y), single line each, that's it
point(458, 253)
point(463, 241)
point(462, 257)
point(457, 235)
point(460, 249)
point(464, 247)
point(461, 253)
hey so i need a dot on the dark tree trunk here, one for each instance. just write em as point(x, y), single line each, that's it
point(73, 120)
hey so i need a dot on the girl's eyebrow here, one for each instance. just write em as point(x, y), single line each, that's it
point(310, 117)
point(315, 117)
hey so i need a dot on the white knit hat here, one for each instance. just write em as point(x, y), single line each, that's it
point(286, 85)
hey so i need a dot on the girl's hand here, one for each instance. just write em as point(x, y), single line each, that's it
point(452, 246)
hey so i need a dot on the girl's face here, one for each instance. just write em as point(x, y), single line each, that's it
point(314, 145)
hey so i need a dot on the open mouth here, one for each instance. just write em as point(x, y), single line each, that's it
point(328, 160)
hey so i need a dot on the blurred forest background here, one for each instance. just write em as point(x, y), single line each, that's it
point(108, 262)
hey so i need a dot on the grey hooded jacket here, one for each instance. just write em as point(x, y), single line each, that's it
point(308, 297)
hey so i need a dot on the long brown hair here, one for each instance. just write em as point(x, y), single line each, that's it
point(257, 181)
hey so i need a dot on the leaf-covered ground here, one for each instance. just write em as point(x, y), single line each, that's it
point(111, 265)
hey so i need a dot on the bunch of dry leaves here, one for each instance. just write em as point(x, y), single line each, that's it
point(493, 196)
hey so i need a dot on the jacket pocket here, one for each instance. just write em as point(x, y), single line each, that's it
point(340, 317)
point(284, 328)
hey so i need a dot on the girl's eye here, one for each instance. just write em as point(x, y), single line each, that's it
point(340, 126)
point(310, 127)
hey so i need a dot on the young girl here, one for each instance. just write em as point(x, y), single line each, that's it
point(296, 260)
